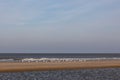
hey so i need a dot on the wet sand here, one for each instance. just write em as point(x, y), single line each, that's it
point(40, 66)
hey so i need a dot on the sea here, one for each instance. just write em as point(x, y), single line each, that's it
point(59, 55)
point(17, 56)
point(82, 74)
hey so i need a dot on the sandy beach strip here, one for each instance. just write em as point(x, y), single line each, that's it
point(40, 66)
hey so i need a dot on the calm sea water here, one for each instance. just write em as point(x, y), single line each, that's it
point(82, 74)
point(59, 55)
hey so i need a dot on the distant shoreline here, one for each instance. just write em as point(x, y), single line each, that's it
point(41, 66)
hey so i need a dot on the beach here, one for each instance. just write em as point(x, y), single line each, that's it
point(41, 66)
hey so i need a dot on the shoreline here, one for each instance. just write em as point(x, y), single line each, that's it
point(41, 66)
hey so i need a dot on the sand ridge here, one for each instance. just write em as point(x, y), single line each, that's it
point(40, 66)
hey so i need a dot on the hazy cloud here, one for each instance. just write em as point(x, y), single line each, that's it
point(59, 26)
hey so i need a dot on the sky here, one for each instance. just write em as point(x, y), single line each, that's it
point(59, 26)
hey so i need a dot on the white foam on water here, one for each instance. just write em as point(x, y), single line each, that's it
point(6, 60)
point(65, 59)
point(57, 59)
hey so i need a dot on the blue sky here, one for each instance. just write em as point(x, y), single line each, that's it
point(63, 26)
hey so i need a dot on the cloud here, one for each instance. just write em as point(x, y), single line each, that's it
point(26, 12)
point(62, 25)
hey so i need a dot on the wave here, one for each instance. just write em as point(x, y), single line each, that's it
point(65, 59)
point(56, 59)
point(6, 60)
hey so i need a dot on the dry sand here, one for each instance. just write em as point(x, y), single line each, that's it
point(39, 66)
